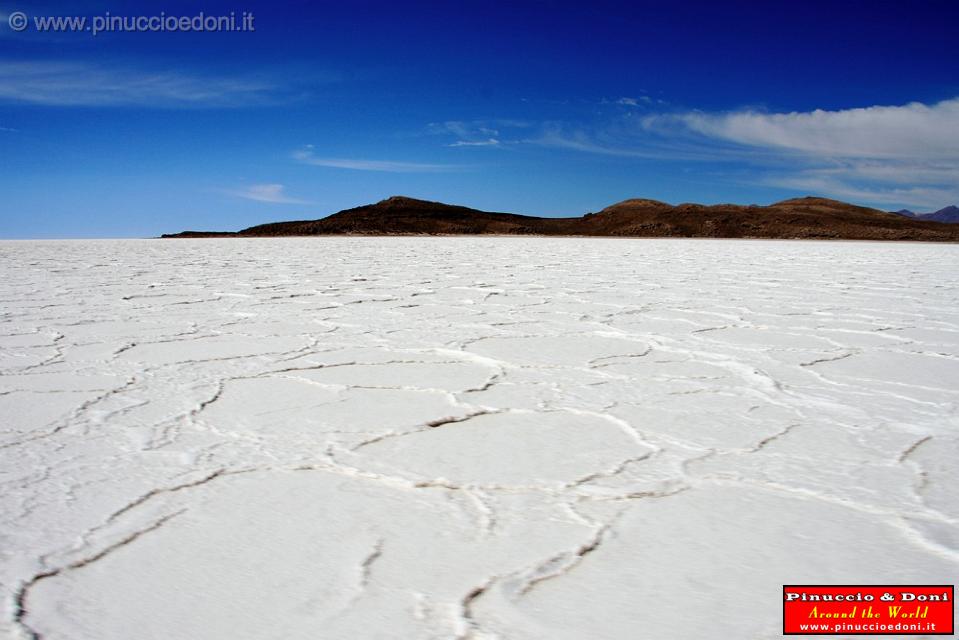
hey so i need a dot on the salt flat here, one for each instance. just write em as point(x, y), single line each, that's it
point(468, 437)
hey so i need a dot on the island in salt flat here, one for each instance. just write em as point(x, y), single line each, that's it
point(813, 218)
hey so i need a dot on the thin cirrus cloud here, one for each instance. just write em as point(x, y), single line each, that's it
point(489, 142)
point(68, 84)
point(633, 102)
point(595, 142)
point(464, 129)
point(273, 193)
point(478, 133)
point(307, 156)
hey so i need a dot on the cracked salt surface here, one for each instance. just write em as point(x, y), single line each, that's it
point(468, 437)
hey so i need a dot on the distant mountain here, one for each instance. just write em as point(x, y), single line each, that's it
point(948, 214)
point(797, 218)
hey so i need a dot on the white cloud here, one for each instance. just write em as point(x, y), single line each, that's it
point(274, 193)
point(307, 156)
point(914, 130)
point(81, 84)
point(883, 155)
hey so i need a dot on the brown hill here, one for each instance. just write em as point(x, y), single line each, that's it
point(796, 218)
point(406, 216)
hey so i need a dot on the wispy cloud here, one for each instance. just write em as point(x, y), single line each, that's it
point(478, 133)
point(274, 193)
point(307, 156)
point(463, 128)
point(9, 130)
point(624, 139)
point(88, 85)
point(585, 141)
point(633, 102)
point(490, 142)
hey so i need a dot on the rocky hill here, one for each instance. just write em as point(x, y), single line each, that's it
point(797, 218)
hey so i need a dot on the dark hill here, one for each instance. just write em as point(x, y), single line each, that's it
point(796, 218)
point(405, 216)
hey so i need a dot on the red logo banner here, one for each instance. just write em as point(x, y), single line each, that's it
point(868, 609)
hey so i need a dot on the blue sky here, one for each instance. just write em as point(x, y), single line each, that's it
point(546, 108)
